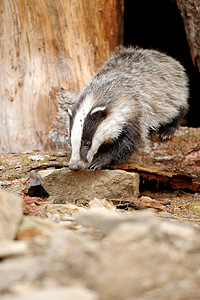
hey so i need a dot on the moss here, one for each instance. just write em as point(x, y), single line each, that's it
point(14, 176)
point(195, 206)
point(18, 165)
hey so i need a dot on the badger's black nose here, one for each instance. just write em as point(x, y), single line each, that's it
point(74, 167)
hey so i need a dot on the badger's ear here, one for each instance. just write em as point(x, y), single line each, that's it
point(97, 109)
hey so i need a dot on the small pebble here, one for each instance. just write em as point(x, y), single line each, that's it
point(36, 157)
point(55, 218)
point(67, 218)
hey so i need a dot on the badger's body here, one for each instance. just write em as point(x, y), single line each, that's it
point(134, 92)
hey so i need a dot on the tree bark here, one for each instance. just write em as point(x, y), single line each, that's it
point(190, 12)
point(47, 43)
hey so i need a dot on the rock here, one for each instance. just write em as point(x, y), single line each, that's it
point(36, 157)
point(139, 257)
point(32, 226)
point(18, 271)
point(11, 213)
point(75, 292)
point(148, 202)
point(86, 185)
point(12, 248)
point(148, 265)
point(107, 220)
point(54, 218)
point(68, 218)
point(33, 179)
point(181, 236)
point(63, 209)
point(102, 204)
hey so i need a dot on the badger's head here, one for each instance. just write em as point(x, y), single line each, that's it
point(86, 132)
point(92, 125)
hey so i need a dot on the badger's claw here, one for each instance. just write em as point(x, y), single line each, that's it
point(167, 133)
point(96, 165)
point(100, 161)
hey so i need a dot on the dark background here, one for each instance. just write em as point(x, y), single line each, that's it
point(158, 24)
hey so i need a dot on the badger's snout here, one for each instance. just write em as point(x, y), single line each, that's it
point(76, 165)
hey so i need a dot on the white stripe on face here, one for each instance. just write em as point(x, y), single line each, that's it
point(98, 108)
point(110, 128)
point(77, 128)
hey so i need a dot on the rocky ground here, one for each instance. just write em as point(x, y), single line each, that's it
point(92, 237)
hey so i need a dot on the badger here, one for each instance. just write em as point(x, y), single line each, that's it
point(135, 92)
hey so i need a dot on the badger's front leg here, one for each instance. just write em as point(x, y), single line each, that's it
point(117, 151)
point(101, 160)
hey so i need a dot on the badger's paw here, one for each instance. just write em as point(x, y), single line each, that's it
point(94, 167)
point(100, 162)
point(167, 133)
point(96, 164)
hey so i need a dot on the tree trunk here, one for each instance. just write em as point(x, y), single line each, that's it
point(190, 12)
point(47, 43)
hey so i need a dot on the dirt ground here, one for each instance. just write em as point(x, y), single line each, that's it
point(179, 204)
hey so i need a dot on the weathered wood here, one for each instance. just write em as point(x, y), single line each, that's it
point(190, 12)
point(43, 44)
point(175, 162)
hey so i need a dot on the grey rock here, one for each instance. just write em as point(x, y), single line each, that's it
point(54, 218)
point(33, 180)
point(34, 226)
point(36, 157)
point(68, 218)
point(180, 235)
point(63, 209)
point(139, 256)
point(86, 185)
point(10, 248)
point(20, 270)
point(106, 220)
point(60, 293)
point(11, 213)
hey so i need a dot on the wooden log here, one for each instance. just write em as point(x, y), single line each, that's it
point(175, 162)
point(43, 44)
point(190, 12)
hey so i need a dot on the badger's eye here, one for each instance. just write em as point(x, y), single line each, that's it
point(87, 144)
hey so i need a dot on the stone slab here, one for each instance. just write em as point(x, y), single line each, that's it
point(68, 185)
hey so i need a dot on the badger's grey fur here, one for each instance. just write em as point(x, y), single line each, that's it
point(134, 92)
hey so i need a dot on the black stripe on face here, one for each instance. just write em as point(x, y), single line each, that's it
point(91, 123)
point(71, 121)
point(70, 124)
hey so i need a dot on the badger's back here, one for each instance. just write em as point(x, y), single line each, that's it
point(136, 90)
point(148, 78)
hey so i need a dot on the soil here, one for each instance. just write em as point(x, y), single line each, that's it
point(179, 204)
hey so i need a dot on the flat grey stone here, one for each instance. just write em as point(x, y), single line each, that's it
point(61, 293)
point(68, 185)
point(11, 213)
point(10, 248)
